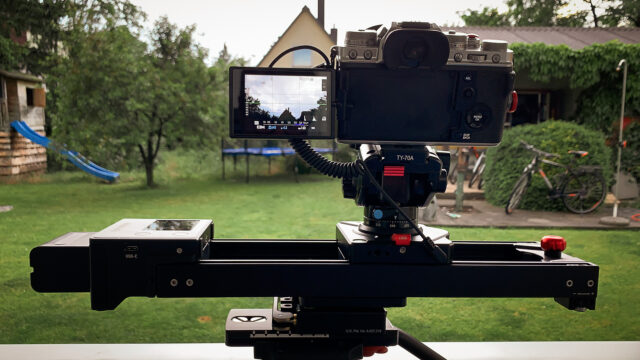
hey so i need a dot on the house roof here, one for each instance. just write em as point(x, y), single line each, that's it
point(304, 10)
point(575, 38)
point(20, 76)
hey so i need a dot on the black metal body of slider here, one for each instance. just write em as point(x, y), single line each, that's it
point(62, 264)
point(316, 268)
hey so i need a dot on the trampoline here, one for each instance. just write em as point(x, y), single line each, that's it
point(265, 152)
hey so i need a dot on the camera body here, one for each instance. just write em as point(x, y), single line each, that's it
point(411, 84)
point(415, 84)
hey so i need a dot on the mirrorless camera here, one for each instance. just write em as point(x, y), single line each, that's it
point(409, 84)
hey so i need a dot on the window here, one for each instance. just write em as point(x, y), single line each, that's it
point(302, 58)
point(29, 97)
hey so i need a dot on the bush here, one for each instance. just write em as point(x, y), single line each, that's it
point(631, 154)
point(506, 162)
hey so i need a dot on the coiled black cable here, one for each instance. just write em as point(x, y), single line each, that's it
point(325, 166)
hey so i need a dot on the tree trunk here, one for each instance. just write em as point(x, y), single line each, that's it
point(593, 12)
point(148, 160)
point(148, 167)
point(149, 156)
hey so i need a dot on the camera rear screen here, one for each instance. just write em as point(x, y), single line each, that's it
point(281, 103)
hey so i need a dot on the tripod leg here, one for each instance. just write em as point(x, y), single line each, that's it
point(415, 347)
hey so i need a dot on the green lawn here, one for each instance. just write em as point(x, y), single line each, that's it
point(272, 207)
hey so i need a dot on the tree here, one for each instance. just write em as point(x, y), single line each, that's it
point(121, 96)
point(44, 22)
point(539, 13)
point(98, 84)
point(111, 95)
point(594, 7)
point(176, 106)
point(525, 13)
point(219, 108)
point(485, 17)
point(557, 13)
point(50, 24)
point(622, 13)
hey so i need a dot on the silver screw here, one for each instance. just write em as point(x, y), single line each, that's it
point(403, 250)
point(590, 283)
point(173, 282)
point(179, 250)
point(569, 283)
point(189, 282)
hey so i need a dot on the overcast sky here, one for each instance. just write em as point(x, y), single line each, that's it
point(249, 27)
point(277, 93)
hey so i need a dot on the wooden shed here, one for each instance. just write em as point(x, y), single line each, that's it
point(22, 98)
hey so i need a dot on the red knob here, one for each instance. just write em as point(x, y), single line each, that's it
point(371, 350)
point(401, 239)
point(553, 243)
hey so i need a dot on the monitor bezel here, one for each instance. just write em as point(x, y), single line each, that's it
point(236, 88)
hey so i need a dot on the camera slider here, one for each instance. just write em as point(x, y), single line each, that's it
point(342, 286)
point(119, 262)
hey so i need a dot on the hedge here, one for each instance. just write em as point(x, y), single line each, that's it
point(631, 153)
point(506, 162)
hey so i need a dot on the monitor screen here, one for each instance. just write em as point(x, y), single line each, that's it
point(281, 103)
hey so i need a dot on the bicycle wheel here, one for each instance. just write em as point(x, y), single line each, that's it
point(480, 178)
point(477, 170)
point(518, 191)
point(453, 175)
point(584, 192)
point(473, 178)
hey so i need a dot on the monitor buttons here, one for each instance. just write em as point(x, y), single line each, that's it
point(468, 92)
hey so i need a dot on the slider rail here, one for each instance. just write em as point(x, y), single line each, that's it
point(480, 269)
point(339, 278)
point(318, 268)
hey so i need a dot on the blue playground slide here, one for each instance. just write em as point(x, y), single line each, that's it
point(73, 156)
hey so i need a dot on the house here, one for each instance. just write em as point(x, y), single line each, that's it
point(537, 101)
point(22, 98)
point(304, 30)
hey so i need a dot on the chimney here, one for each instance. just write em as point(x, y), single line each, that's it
point(321, 13)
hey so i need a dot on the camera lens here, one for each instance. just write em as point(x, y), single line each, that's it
point(414, 50)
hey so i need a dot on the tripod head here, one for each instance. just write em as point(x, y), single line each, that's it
point(409, 175)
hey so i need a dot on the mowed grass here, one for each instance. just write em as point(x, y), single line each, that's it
point(273, 207)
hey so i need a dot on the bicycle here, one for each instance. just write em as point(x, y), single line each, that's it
point(582, 188)
point(478, 169)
